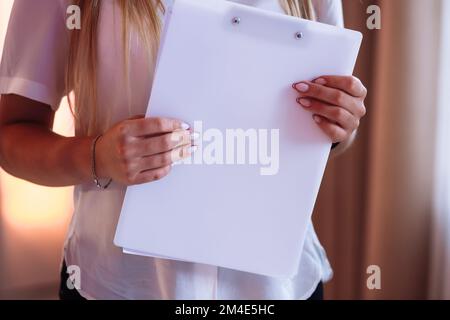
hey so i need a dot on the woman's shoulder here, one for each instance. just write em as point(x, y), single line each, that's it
point(42, 9)
point(40, 19)
point(35, 50)
point(329, 11)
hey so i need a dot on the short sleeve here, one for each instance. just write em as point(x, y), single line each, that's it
point(35, 51)
point(329, 12)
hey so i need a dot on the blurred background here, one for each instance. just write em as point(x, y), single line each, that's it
point(384, 203)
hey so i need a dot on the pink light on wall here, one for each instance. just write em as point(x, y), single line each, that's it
point(25, 205)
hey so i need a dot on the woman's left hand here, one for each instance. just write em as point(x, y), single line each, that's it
point(337, 104)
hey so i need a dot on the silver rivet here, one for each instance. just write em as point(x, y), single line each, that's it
point(299, 35)
point(236, 20)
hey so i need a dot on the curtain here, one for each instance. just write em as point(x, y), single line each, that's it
point(440, 249)
point(375, 204)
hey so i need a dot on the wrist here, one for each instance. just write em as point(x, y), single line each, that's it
point(96, 159)
point(76, 160)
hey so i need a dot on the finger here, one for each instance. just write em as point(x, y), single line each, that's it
point(182, 153)
point(332, 130)
point(152, 175)
point(329, 95)
point(150, 146)
point(153, 126)
point(334, 114)
point(352, 85)
point(166, 158)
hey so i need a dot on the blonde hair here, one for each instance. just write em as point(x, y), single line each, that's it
point(142, 16)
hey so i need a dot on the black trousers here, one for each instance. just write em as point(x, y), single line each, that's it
point(64, 292)
point(72, 294)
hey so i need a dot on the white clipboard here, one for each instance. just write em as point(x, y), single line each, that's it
point(231, 66)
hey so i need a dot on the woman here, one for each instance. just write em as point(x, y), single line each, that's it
point(108, 65)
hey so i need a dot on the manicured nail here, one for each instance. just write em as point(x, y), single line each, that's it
point(305, 102)
point(176, 163)
point(317, 119)
point(193, 149)
point(302, 87)
point(195, 136)
point(321, 81)
point(185, 126)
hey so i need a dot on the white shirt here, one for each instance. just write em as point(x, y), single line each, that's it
point(33, 65)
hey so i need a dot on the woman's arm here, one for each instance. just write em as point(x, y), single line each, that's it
point(31, 151)
point(131, 152)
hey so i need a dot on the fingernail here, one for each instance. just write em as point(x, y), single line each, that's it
point(302, 87)
point(195, 136)
point(317, 119)
point(321, 81)
point(192, 149)
point(305, 102)
point(176, 163)
point(185, 126)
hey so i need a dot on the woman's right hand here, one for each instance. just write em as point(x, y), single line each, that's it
point(141, 150)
